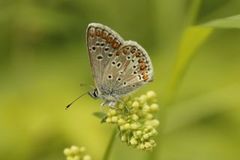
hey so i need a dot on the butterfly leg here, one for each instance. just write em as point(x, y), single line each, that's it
point(109, 103)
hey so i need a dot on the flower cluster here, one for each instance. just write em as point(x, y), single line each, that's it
point(135, 120)
point(76, 153)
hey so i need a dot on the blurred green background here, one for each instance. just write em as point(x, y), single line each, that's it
point(43, 59)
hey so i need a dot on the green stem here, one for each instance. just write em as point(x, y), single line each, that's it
point(179, 72)
point(193, 13)
point(110, 146)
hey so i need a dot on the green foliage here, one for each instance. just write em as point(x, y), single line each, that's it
point(228, 22)
point(43, 58)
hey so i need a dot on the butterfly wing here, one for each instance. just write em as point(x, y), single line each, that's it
point(128, 69)
point(102, 42)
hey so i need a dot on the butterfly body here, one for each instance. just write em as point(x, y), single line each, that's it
point(119, 67)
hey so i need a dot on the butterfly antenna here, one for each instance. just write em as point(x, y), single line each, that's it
point(69, 105)
point(86, 85)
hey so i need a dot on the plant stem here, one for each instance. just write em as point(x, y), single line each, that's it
point(174, 83)
point(193, 12)
point(182, 59)
point(110, 146)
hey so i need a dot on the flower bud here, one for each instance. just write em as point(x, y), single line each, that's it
point(149, 116)
point(75, 150)
point(143, 99)
point(146, 108)
point(151, 95)
point(135, 120)
point(67, 152)
point(133, 141)
point(87, 157)
point(139, 133)
point(154, 107)
point(141, 146)
point(155, 123)
point(134, 126)
point(121, 121)
point(147, 145)
point(123, 138)
point(108, 120)
point(135, 104)
point(82, 149)
point(113, 112)
point(76, 158)
point(126, 126)
point(145, 136)
point(114, 119)
point(135, 117)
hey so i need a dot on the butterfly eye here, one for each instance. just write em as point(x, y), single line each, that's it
point(119, 79)
point(97, 44)
point(102, 44)
point(106, 48)
point(134, 72)
point(134, 85)
point(124, 83)
point(134, 66)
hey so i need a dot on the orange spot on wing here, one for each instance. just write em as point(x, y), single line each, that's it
point(91, 31)
point(145, 77)
point(143, 66)
point(98, 32)
point(110, 38)
point(104, 34)
point(116, 44)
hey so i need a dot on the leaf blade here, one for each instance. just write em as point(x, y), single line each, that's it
point(226, 23)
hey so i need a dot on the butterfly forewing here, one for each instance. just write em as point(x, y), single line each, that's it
point(102, 42)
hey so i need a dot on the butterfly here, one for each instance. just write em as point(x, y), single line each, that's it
point(118, 66)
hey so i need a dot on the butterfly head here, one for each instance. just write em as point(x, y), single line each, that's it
point(94, 93)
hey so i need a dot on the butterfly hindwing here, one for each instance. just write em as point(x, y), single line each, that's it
point(129, 68)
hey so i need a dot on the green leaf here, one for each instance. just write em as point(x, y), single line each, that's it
point(208, 104)
point(192, 39)
point(228, 22)
point(100, 115)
